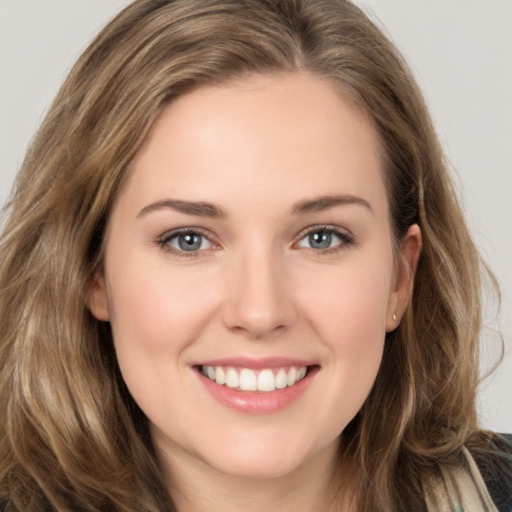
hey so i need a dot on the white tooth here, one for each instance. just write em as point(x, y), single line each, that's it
point(281, 379)
point(266, 381)
point(232, 380)
point(220, 376)
point(292, 376)
point(248, 380)
point(302, 372)
point(211, 372)
point(204, 371)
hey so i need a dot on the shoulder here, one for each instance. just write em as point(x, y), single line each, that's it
point(494, 460)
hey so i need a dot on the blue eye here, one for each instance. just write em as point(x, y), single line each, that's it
point(186, 241)
point(322, 239)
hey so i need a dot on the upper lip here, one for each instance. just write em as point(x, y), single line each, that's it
point(255, 363)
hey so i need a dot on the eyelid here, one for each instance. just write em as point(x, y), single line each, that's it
point(346, 237)
point(344, 234)
point(324, 227)
point(163, 240)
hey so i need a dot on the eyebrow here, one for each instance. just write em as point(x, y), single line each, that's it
point(210, 210)
point(199, 208)
point(321, 203)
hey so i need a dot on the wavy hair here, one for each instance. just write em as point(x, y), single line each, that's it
point(71, 437)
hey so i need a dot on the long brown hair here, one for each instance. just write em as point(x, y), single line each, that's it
point(71, 437)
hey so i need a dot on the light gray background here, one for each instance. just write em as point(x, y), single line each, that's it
point(460, 52)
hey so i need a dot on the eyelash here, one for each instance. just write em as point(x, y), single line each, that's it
point(346, 240)
point(165, 239)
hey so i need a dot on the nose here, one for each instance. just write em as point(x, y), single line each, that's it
point(260, 299)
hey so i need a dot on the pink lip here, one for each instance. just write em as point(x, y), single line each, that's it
point(253, 402)
point(255, 363)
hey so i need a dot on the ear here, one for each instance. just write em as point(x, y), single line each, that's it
point(410, 249)
point(97, 300)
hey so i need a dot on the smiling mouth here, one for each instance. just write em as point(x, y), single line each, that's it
point(263, 380)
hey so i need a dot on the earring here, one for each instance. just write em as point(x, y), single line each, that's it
point(394, 317)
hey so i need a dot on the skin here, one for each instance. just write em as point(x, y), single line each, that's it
point(257, 287)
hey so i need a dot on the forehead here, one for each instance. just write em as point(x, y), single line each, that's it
point(267, 137)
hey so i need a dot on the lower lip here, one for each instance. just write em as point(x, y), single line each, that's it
point(251, 402)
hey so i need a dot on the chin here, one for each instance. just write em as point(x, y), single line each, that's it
point(257, 468)
point(262, 460)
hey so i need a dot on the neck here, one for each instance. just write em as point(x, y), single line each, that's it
point(195, 486)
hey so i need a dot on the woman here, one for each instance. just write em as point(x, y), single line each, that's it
point(207, 278)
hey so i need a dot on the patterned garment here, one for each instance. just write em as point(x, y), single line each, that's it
point(460, 490)
point(465, 490)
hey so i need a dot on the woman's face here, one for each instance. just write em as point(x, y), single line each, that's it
point(249, 274)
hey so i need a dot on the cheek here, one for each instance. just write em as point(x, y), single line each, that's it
point(350, 304)
point(156, 309)
point(155, 316)
point(353, 325)
point(347, 309)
